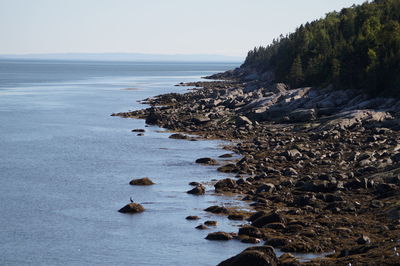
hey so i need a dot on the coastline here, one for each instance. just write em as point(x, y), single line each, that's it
point(316, 184)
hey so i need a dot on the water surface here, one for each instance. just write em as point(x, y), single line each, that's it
point(66, 163)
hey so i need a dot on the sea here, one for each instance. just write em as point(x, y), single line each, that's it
point(65, 167)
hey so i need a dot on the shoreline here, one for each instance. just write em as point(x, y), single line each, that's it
point(316, 185)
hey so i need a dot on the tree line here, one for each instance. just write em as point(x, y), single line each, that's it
point(356, 48)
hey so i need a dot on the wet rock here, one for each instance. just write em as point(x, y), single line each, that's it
point(198, 190)
point(257, 215)
point(138, 130)
point(356, 250)
point(255, 256)
point(192, 217)
point(217, 209)
point(225, 184)
point(226, 155)
point(228, 168)
point(132, 208)
point(219, 236)
point(250, 231)
point(211, 223)
point(250, 240)
point(201, 227)
point(209, 161)
point(141, 182)
point(288, 259)
point(237, 217)
point(277, 242)
point(178, 136)
point(153, 118)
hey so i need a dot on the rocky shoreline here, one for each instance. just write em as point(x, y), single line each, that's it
point(320, 167)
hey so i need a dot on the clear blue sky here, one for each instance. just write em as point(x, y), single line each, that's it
point(228, 27)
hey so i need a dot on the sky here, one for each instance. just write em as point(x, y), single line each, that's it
point(225, 27)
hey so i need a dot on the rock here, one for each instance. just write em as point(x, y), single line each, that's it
point(211, 223)
point(228, 168)
point(243, 121)
point(138, 130)
point(267, 187)
point(226, 155)
point(201, 227)
point(302, 115)
point(362, 240)
point(219, 236)
point(254, 256)
point(132, 208)
point(206, 161)
point(153, 118)
point(178, 136)
point(287, 259)
point(225, 184)
point(217, 209)
point(291, 154)
point(289, 172)
point(192, 217)
point(251, 231)
point(257, 215)
point(195, 184)
point(237, 217)
point(141, 182)
point(277, 242)
point(200, 119)
point(269, 218)
point(250, 240)
point(198, 190)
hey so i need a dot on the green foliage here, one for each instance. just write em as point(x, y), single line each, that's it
point(356, 48)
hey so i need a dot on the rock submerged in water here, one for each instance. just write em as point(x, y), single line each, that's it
point(207, 160)
point(132, 208)
point(178, 136)
point(139, 130)
point(192, 217)
point(198, 190)
point(255, 256)
point(201, 227)
point(211, 223)
point(141, 182)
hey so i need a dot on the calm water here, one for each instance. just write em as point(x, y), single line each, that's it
point(66, 163)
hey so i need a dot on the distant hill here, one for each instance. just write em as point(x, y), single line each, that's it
point(356, 48)
point(128, 57)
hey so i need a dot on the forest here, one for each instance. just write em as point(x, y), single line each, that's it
point(356, 48)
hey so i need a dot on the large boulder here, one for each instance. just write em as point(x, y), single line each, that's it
point(132, 208)
point(145, 181)
point(254, 256)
